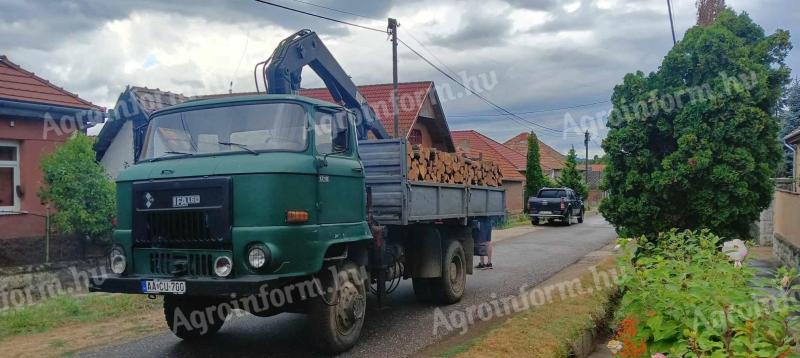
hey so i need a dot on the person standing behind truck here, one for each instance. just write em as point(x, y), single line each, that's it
point(482, 234)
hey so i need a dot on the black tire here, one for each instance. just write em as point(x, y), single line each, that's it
point(567, 219)
point(422, 289)
point(535, 222)
point(580, 218)
point(336, 324)
point(180, 313)
point(450, 287)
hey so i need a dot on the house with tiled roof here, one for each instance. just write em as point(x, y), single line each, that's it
point(477, 145)
point(551, 161)
point(421, 117)
point(36, 116)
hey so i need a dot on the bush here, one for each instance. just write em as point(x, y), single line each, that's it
point(79, 189)
point(682, 296)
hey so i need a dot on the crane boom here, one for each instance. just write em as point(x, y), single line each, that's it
point(305, 48)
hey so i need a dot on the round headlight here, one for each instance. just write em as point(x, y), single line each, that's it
point(223, 266)
point(117, 261)
point(257, 257)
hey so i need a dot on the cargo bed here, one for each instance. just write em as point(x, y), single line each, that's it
point(399, 201)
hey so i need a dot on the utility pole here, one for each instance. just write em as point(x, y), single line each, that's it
point(393, 33)
point(671, 25)
point(586, 144)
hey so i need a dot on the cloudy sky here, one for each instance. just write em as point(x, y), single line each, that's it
point(530, 56)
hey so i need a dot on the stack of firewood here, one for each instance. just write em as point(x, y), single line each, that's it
point(426, 164)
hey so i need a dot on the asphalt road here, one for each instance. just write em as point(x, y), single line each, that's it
point(405, 326)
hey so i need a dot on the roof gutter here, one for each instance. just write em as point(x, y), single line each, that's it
point(29, 110)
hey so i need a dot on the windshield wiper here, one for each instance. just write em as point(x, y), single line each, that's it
point(241, 146)
point(167, 155)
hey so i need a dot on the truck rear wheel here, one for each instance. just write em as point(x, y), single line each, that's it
point(337, 316)
point(191, 318)
point(450, 287)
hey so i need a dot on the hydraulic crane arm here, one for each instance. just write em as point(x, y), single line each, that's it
point(304, 48)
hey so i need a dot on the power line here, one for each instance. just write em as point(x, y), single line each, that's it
point(321, 17)
point(534, 111)
point(511, 115)
point(336, 10)
point(496, 106)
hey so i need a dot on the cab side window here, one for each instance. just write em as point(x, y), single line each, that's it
point(331, 132)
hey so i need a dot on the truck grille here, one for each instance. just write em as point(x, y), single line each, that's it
point(176, 227)
point(163, 263)
point(163, 216)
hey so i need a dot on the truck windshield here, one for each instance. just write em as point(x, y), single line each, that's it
point(552, 194)
point(243, 128)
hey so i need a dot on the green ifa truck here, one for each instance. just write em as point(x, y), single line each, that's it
point(276, 203)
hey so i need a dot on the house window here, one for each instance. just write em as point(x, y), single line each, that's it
point(415, 137)
point(9, 176)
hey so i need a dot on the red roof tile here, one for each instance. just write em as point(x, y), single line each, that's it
point(549, 158)
point(21, 85)
point(476, 144)
point(597, 167)
point(411, 96)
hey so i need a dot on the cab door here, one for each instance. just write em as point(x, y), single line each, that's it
point(340, 178)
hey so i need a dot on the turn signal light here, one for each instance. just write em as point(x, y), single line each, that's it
point(296, 216)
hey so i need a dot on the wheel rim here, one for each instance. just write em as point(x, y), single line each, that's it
point(455, 273)
point(350, 308)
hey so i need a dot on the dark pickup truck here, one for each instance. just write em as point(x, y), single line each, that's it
point(560, 204)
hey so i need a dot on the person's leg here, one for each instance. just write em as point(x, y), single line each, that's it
point(488, 252)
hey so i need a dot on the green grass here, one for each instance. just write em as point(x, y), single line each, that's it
point(545, 331)
point(64, 310)
point(514, 220)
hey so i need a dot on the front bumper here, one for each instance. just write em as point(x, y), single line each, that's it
point(195, 286)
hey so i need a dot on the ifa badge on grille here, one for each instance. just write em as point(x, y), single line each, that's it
point(148, 200)
point(183, 201)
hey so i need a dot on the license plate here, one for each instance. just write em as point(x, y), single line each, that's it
point(163, 286)
point(545, 212)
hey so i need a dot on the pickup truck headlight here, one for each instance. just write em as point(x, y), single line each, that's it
point(117, 261)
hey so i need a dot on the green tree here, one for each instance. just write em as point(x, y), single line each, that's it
point(693, 145)
point(790, 121)
point(534, 176)
point(77, 186)
point(570, 177)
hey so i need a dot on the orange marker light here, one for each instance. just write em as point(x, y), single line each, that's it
point(296, 216)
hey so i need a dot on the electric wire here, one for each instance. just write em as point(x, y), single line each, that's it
point(505, 112)
point(321, 16)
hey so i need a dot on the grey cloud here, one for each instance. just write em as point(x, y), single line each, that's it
point(476, 29)
point(45, 24)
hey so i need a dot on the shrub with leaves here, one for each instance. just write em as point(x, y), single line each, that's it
point(694, 144)
point(77, 186)
point(683, 297)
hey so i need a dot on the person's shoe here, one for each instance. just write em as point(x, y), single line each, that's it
point(480, 266)
point(488, 266)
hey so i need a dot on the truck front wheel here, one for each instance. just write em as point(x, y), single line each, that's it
point(336, 316)
point(191, 318)
point(450, 287)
